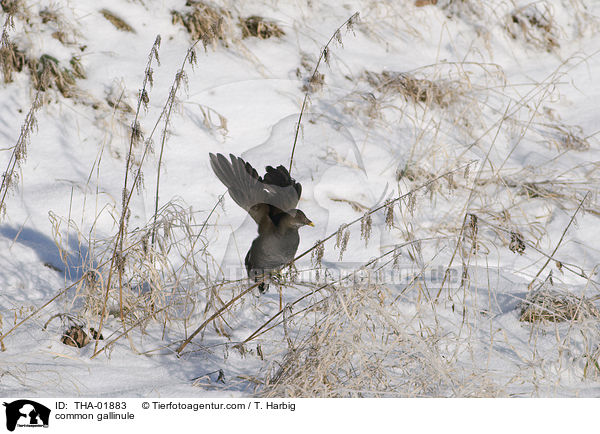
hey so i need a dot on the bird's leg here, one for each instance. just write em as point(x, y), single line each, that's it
point(277, 277)
point(280, 297)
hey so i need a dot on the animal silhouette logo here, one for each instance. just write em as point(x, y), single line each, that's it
point(26, 413)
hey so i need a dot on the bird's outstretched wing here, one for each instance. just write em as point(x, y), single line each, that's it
point(256, 195)
point(283, 191)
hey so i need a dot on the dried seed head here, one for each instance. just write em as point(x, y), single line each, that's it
point(412, 201)
point(354, 19)
point(139, 181)
point(150, 76)
point(397, 253)
point(344, 244)
point(291, 272)
point(77, 67)
point(473, 223)
point(149, 145)
point(120, 262)
point(314, 83)
point(145, 99)
point(517, 244)
point(167, 228)
point(389, 215)
point(450, 180)
point(366, 225)
point(338, 236)
point(136, 133)
point(155, 48)
point(124, 196)
point(338, 37)
point(470, 232)
point(317, 254)
point(342, 238)
point(193, 58)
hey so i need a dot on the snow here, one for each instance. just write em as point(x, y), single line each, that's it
point(513, 101)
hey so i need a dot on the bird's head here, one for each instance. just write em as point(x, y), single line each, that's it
point(299, 219)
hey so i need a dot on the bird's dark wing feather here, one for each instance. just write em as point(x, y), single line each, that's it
point(281, 184)
point(244, 184)
point(256, 195)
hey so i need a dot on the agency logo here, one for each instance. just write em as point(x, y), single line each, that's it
point(26, 413)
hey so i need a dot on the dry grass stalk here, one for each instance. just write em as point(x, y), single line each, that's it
point(117, 253)
point(324, 55)
point(356, 206)
point(180, 79)
point(560, 240)
point(565, 137)
point(19, 153)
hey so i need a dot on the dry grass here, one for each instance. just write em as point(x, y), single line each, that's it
point(116, 21)
point(419, 90)
point(421, 3)
point(12, 60)
point(362, 345)
point(205, 22)
point(535, 25)
point(46, 73)
point(10, 7)
point(259, 27)
point(158, 284)
point(565, 137)
point(547, 304)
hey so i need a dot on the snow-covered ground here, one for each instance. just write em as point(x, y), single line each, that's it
point(480, 116)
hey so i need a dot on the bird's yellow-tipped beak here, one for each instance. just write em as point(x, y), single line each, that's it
point(311, 224)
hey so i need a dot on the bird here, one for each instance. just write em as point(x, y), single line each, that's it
point(271, 201)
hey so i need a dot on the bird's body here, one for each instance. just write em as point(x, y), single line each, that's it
point(271, 202)
point(272, 250)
